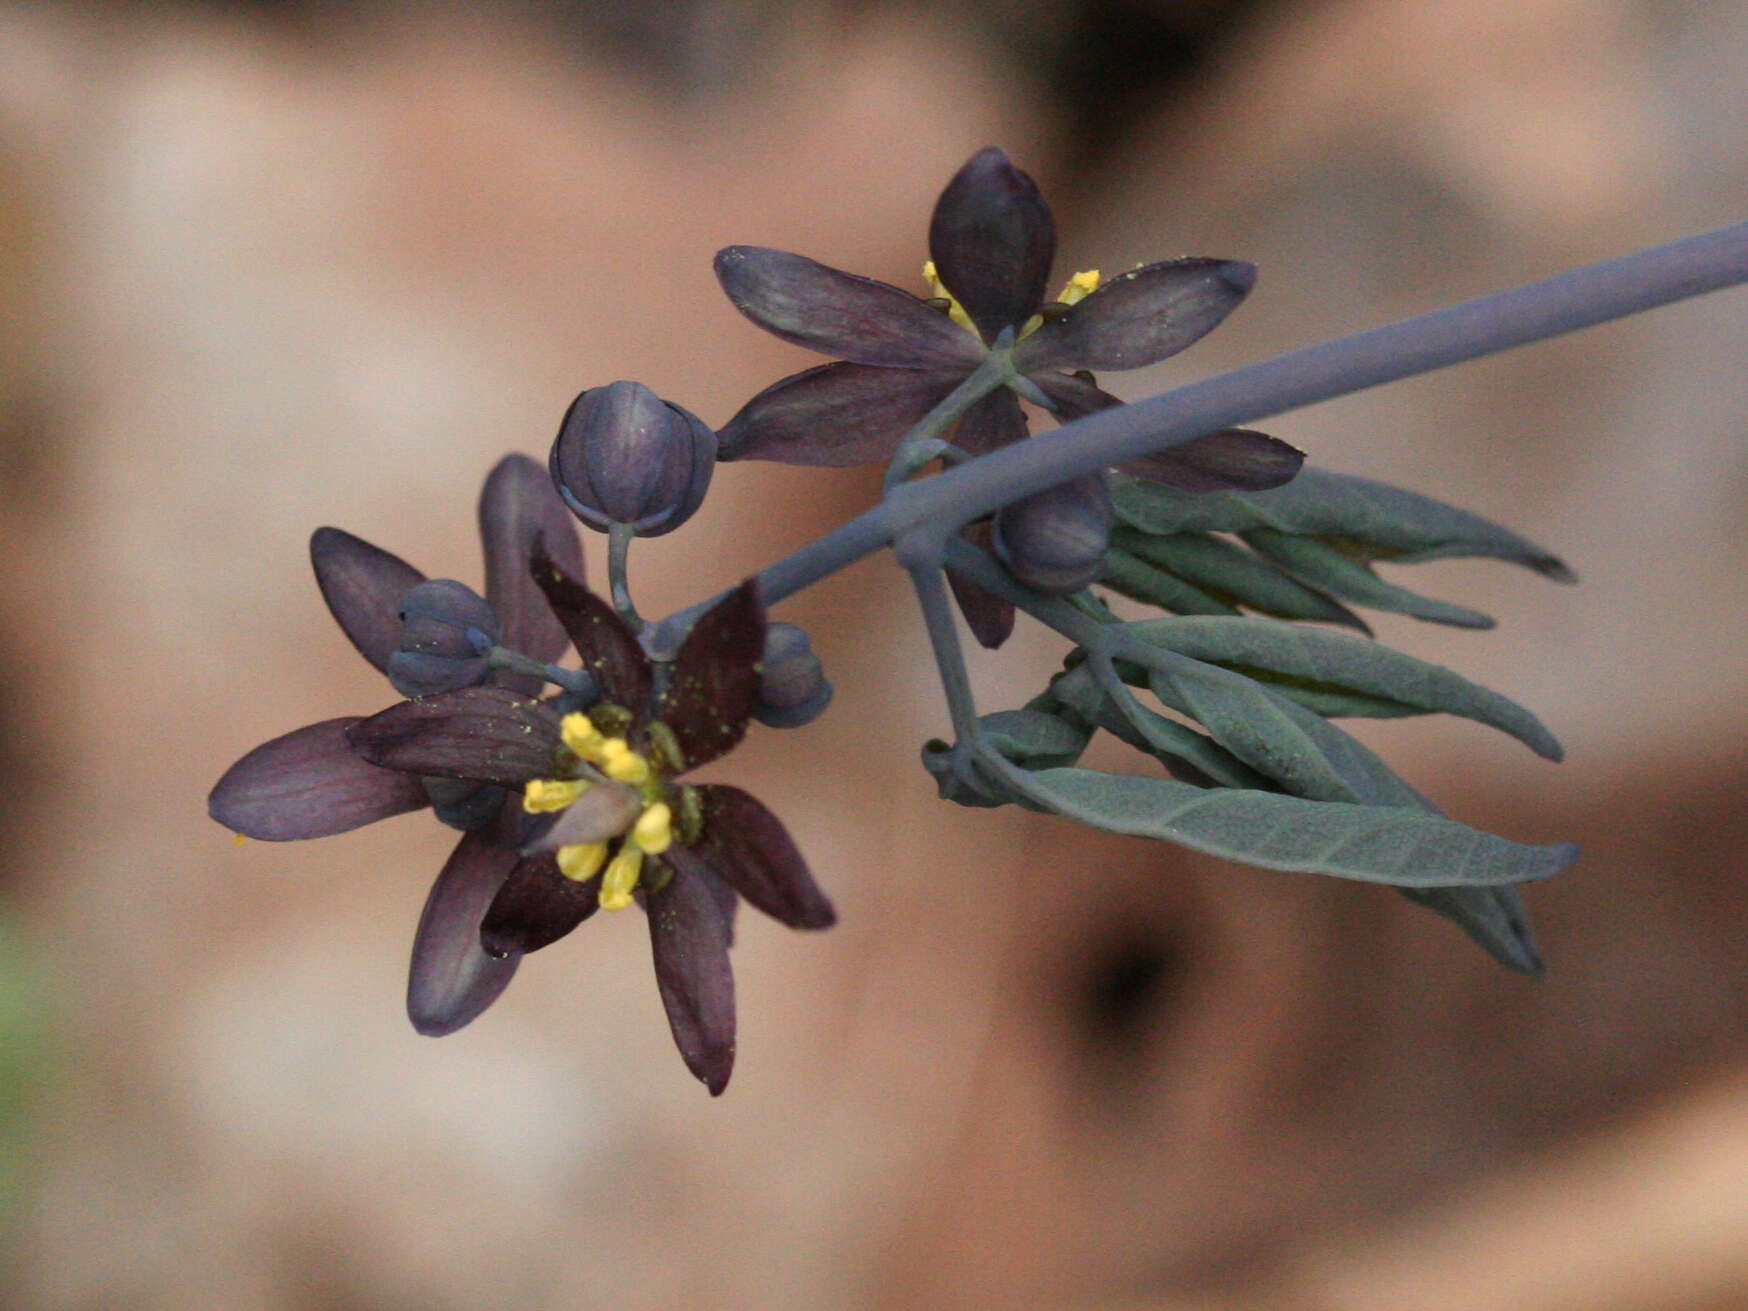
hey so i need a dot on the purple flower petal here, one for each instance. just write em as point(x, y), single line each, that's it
point(536, 907)
point(715, 679)
point(1074, 396)
point(748, 848)
point(309, 784)
point(991, 619)
point(837, 313)
point(1232, 460)
point(452, 979)
point(689, 935)
point(994, 422)
point(489, 734)
point(835, 415)
point(608, 648)
point(992, 240)
point(727, 901)
point(1139, 318)
point(363, 586)
point(516, 506)
point(604, 811)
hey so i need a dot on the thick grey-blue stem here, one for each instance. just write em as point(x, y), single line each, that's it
point(921, 553)
point(931, 589)
point(1580, 299)
point(618, 575)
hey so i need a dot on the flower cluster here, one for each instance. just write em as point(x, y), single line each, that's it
point(992, 240)
point(572, 785)
point(569, 803)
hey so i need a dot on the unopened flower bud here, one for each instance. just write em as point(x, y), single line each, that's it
point(447, 630)
point(1055, 540)
point(793, 689)
point(624, 455)
point(462, 803)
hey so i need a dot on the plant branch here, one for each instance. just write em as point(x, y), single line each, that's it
point(619, 538)
point(921, 444)
point(1579, 299)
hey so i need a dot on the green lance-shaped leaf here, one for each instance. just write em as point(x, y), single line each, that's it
point(1494, 917)
point(1340, 674)
point(1372, 520)
point(1034, 739)
point(1320, 565)
point(1107, 704)
point(1275, 735)
point(1140, 581)
point(1374, 844)
point(1232, 575)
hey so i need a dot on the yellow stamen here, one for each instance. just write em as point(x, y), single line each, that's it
point(613, 755)
point(1075, 290)
point(1079, 287)
point(621, 877)
point(620, 763)
point(654, 831)
point(580, 860)
point(955, 310)
point(543, 794)
point(579, 733)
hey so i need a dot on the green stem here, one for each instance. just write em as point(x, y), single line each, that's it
point(1581, 298)
point(576, 681)
point(921, 556)
point(923, 442)
point(618, 550)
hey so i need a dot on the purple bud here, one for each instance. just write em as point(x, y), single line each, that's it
point(793, 689)
point(462, 803)
point(447, 630)
point(624, 455)
point(1055, 540)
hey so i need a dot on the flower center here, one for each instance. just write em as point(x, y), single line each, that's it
point(612, 761)
point(1075, 290)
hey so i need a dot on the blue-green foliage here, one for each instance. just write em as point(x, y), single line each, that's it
point(1242, 704)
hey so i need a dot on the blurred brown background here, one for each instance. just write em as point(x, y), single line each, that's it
point(267, 267)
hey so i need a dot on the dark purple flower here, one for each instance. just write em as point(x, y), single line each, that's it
point(992, 241)
point(311, 783)
point(616, 824)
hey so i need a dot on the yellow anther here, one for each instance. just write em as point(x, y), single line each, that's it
point(620, 763)
point(579, 733)
point(654, 831)
point(1079, 287)
point(1075, 290)
point(544, 794)
point(621, 877)
point(955, 310)
point(580, 860)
